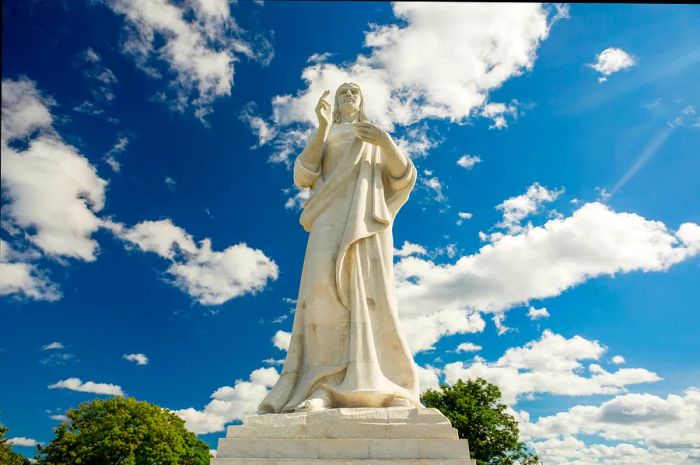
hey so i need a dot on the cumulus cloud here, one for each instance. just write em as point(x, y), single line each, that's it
point(408, 248)
point(655, 424)
point(51, 193)
point(210, 277)
point(468, 161)
point(24, 279)
point(516, 209)
point(618, 360)
point(436, 61)
point(52, 189)
point(75, 384)
point(428, 377)
point(230, 403)
point(468, 347)
point(538, 263)
point(139, 359)
point(199, 41)
point(569, 450)
point(550, 365)
point(610, 61)
point(498, 113)
point(281, 340)
point(463, 216)
point(537, 313)
point(24, 442)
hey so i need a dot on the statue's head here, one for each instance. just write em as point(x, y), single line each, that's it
point(349, 100)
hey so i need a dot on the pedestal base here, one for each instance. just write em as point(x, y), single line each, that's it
point(347, 436)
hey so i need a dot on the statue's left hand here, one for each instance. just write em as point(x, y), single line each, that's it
point(372, 134)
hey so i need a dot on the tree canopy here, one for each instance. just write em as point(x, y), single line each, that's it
point(475, 409)
point(123, 431)
point(7, 455)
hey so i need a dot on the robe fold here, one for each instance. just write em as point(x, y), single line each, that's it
point(346, 336)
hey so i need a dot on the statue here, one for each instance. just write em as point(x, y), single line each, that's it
point(347, 348)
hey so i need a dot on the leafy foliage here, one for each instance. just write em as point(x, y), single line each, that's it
point(123, 431)
point(475, 409)
point(7, 455)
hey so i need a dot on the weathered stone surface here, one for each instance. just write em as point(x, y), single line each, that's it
point(386, 436)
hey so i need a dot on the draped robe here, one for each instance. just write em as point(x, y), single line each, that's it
point(346, 337)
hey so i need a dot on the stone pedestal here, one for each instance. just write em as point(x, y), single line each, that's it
point(345, 436)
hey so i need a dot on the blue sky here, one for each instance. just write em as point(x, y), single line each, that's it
point(150, 236)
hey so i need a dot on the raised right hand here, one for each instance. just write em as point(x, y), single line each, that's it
point(323, 111)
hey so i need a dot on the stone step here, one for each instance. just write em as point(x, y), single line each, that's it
point(422, 449)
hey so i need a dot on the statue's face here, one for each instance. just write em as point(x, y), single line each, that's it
point(348, 98)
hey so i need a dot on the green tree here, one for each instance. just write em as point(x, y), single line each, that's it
point(7, 455)
point(475, 409)
point(123, 431)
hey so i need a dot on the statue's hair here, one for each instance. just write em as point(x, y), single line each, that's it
point(336, 107)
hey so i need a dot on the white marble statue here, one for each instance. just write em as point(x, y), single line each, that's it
point(347, 348)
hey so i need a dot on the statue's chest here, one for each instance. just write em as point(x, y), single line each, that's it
point(337, 146)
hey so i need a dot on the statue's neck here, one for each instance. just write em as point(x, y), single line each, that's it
point(349, 118)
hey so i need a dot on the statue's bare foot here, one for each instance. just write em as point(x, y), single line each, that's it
point(319, 400)
point(399, 402)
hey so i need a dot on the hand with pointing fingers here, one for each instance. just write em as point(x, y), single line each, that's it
point(372, 134)
point(323, 111)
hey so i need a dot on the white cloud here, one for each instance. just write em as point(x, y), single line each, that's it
point(429, 377)
point(551, 365)
point(437, 60)
point(25, 279)
point(199, 42)
point(112, 155)
point(498, 112)
point(52, 189)
point(230, 403)
point(416, 143)
point(468, 161)
point(468, 347)
point(537, 313)
point(75, 384)
point(59, 417)
point(281, 340)
point(24, 442)
point(425, 327)
point(53, 346)
point(24, 109)
point(541, 262)
point(209, 276)
point(409, 248)
point(618, 360)
point(655, 424)
point(516, 209)
point(297, 200)
point(610, 61)
point(101, 83)
point(433, 184)
point(463, 216)
point(139, 359)
point(569, 450)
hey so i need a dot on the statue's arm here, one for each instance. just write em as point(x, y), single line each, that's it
point(311, 156)
point(308, 164)
point(396, 162)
